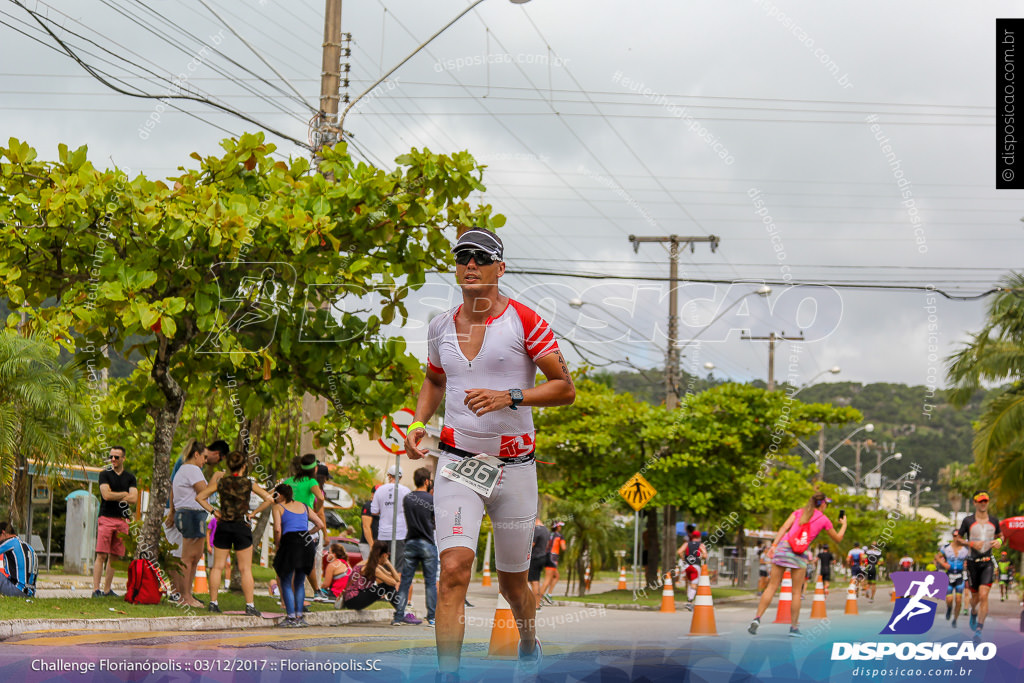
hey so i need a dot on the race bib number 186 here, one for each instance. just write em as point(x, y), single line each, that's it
point(473, 473)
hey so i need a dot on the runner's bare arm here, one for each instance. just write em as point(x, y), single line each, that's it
point(557, 391)
point(426, 405)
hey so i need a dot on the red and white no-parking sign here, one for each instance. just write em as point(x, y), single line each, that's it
point(393, 429)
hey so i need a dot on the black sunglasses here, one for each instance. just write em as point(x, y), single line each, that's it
point(482, 258)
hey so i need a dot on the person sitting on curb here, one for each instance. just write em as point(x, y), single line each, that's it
point(336, 573)
point(372, 579)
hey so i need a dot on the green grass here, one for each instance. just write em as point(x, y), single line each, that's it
point(117, 608)
point(652, 599)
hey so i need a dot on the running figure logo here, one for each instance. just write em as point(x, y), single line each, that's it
point(915, 612)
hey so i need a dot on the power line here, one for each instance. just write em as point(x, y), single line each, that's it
point(95, 74)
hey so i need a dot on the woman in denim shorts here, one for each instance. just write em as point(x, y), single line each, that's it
point(189, 516)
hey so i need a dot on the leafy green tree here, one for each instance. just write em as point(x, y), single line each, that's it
point(41, 411)
point(246, 269)
point(996, 354)
point(723, 450)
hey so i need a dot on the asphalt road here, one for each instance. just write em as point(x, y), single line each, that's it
point(579, 643)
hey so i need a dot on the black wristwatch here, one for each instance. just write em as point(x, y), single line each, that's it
point(517, 397)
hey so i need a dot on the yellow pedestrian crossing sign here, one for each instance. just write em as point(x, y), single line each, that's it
point(637, 491)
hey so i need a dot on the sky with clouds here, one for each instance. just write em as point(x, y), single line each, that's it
point(847, 147)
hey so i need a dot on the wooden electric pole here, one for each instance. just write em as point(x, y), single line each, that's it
point(314, 408)
point(771, 339)
point(668, 550)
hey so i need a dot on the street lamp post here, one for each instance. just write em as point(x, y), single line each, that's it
point(822, 457)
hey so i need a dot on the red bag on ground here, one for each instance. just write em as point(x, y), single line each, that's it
point(143, 584)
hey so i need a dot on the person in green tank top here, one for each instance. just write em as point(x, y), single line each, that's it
point(306, 489)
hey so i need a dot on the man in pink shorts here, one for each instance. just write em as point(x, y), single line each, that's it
point(118, 492)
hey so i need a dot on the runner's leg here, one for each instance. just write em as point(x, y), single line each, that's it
point(983, 603)
point(774, 579)
point(516, 589)
point(798, 580)
point(451, 609)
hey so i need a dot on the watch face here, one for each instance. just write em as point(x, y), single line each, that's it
point(516, 394)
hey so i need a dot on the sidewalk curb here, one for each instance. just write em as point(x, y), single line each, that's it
point(223, 622)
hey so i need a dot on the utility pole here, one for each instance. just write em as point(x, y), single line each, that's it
point(330, 76)
point(668, 550)
point(771, 339)
point(314, 408)
point(857, 446)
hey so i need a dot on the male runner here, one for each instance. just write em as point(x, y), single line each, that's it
point(854, 559)
point(825, 566)
point(952, 557)
point(1005, 575)
point(538, 557)
point(872, 557)
point(485, 355)
point(981, 531)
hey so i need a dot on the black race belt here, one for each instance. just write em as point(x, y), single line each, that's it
point(458, 452)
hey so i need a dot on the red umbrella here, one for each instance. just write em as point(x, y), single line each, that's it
point(1013, 532)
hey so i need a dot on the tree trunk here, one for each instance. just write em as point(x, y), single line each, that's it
point(653, 548)
point(741, 557)
point(580, 569)
point(167, 418)
point(19, 490)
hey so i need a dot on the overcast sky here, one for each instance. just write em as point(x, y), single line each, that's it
point(835, 143)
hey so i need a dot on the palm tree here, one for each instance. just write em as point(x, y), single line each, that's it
point(40, 412)
point(996, 354)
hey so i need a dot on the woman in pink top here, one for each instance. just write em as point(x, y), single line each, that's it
point(800, 530)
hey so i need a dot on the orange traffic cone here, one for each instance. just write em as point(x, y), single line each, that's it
point(3, 569)
point(668, 597)
point(784, 615)
point(818, 606)
point(892, 595)
point(201, 585)
point(487, 573)
point(586, 579)
point(504, 634)
point(703, 623)
point(622, 580)
point(851, 600)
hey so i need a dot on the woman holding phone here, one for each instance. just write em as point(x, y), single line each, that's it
point(791, 550)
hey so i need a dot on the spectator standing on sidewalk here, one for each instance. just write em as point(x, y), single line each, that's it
point(232, 529)
point(306, 489)
point(19, 562)
point(392, 526)
point(369, 525)
point(420, 549)
point(118, 492)
point(296, 553)
point(189, 518)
